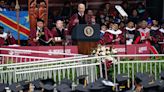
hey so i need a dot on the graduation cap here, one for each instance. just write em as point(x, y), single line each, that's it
point(96, 87)
point(143, 77)
point(82, 79)
point(122, 80)
point(48, 88)
point(48, 81)
point(162, 75)
point(2, 87)
point(63, 88)
point(81, 88)
point(40, 20)
point(15, 87)
point(37, 91)
point(150, 86)
point(25, 84)
point(67, 82)
point(38, 84)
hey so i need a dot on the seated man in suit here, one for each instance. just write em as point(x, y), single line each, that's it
point(59, 32)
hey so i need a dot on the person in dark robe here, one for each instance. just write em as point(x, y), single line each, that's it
point(130, 32)
point(41, 35)
point(77, 18)
point(59, 33)
point(112, 36)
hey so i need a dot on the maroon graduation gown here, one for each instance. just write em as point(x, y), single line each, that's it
point(33, 35)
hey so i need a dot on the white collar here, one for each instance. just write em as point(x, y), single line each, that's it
point(154, 28)
point(130, 29)
point(102, 31)
point(161, 30)
point(144, 30)
point(80, 14)
point(117, 32)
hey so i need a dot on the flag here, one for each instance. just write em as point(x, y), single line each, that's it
point(8, 20)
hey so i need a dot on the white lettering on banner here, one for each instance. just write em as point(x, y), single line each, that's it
point(120, 49)
point(142, 49)
point(59, 51)
point(27, 52)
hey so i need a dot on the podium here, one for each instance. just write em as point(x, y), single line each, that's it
point(86, 37)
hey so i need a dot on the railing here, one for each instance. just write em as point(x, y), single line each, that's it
point(71, 67)
point(14, 57)
point(135, 65)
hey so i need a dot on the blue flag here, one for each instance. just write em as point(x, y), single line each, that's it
point(8, 20)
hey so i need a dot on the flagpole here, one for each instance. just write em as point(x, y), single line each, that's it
point(17, 7)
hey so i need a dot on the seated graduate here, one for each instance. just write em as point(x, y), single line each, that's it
point(112, 36)
point(41, 35)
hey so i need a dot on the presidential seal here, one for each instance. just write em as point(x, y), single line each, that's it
point(88, 31)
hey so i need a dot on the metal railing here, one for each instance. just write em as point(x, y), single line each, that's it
point(138, 63)
point(71, 67)
point(56, 69)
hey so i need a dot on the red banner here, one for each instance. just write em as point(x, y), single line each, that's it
point(52, 49)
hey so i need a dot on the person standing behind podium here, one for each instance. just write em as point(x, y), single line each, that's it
point(79, 18)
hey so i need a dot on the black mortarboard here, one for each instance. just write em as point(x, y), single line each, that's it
point(40, 20)
point(62, 87)
point(150, 86)
point(143, 76)
point(25, 84)
point(67, 82)
point(161, 85)
point(15, 87)
point(38, 84)
point(48, 88)
point(81, 88)
point(162, 75)
point(37, 90)
point(95, 87)
point(82, 79)
point(48, 81)
point(2, 87)
point(121, 78)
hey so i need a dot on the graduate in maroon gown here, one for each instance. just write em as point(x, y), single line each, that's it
point(112, 36)
point(41, 35)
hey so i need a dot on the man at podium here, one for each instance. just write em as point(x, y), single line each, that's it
point(79, 18)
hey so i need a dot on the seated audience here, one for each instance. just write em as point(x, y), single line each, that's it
point(112, 36)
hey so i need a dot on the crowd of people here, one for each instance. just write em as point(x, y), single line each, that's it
point(137, 28)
